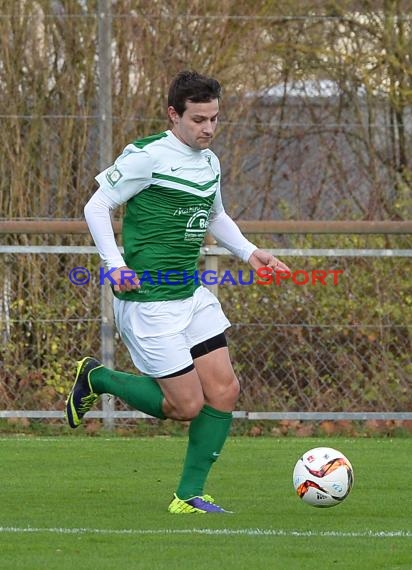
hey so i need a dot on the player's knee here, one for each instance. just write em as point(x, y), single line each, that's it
point(190, 412)
point(189, 409)
point(234, 389)
point(225, 396)
point(231, 387)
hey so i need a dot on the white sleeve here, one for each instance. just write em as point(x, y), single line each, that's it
point(227, 233)
point(130, 174)
point(98, 217)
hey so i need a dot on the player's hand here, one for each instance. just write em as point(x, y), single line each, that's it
point(261, 258)
point(125, 278)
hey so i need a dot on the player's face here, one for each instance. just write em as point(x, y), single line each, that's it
point(196, 127)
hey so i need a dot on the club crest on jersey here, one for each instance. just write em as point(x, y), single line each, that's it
point(113, 175)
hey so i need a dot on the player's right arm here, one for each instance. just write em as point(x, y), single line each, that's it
point(98, 217)
point(130, 174)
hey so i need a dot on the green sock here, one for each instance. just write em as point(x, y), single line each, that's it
point(141, 392)
point(207, 435)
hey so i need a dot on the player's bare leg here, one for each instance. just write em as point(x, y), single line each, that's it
point(207, 432)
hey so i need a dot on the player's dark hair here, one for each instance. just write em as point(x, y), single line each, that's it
point(191, 86)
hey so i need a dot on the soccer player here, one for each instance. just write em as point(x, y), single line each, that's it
point(171, 324)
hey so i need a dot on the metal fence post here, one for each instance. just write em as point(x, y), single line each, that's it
point(211, 262)
point(105, 158)
point(107, 348)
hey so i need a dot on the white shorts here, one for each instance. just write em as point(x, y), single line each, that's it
point(159, 335)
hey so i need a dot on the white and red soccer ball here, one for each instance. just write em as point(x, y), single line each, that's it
point(323, 477)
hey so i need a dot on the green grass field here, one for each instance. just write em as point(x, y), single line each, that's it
point(100, 503)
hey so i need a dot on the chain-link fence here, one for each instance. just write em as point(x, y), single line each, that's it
point(333, 339)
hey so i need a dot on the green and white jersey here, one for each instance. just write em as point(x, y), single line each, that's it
point(170, 191)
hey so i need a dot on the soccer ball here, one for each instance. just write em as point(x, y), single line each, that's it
point(323, 477)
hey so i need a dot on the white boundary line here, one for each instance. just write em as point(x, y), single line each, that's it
point(213, 532)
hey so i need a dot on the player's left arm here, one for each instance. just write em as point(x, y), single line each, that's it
point(227, 233)
point(262, 258)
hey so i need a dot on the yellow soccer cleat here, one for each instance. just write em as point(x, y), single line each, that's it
point(203, 504)
point(81, 397)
